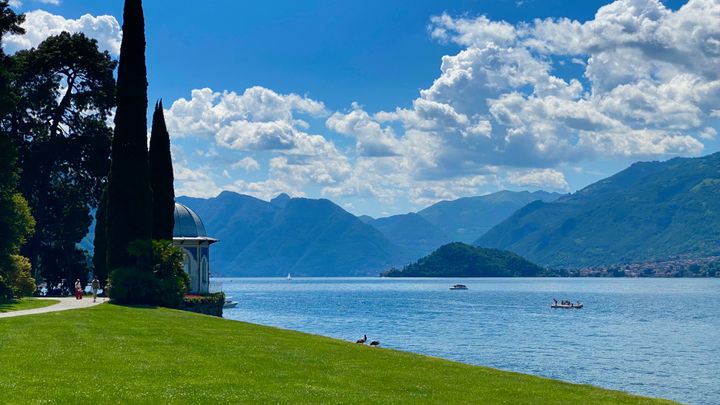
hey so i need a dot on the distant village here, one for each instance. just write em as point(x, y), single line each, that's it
point(674, 267)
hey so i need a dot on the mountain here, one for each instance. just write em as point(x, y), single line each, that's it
point(649, 212)
point(317, 237)
point(466, 219)
point(236, 220)
point(462, 260)
point(461, 220)
point(411, 231)
point(300, 236)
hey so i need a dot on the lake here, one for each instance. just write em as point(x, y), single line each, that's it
point(656, 337)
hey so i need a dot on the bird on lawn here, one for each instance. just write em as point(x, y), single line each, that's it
point(375, 343)
point(363, 340)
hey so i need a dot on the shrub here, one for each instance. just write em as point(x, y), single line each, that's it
point(158, 279)
point(21, 276)
point(17, 280)
point(211, 304)
point(168, 269)
point(5, 291)
point(133, 286)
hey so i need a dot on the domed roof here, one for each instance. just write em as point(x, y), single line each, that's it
point(187, 223)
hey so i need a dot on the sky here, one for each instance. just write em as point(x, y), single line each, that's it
point(386, 107)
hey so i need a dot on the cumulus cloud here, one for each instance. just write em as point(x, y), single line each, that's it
point(372, 138)
point(207, 112)
point(196, 183)
point(247, 163)
point(249, 135)
point(538, 178)
point(480, 30)
point(40, 24)
point(648, 88)
point(262, 121)
point(501, 113)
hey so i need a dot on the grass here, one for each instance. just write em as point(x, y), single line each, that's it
point(114, 354)
point(25, 303)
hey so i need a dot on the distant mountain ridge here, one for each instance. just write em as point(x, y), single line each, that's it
point(650, 211)
point(319, 238)
point(461, 220)
point(466, 219)
point(300, 236)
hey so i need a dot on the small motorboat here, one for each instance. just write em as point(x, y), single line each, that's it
point(459, 287)
point(229, 303)
point(566, 306)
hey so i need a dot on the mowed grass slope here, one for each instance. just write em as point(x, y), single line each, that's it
point(25, 303)
point(114, 354)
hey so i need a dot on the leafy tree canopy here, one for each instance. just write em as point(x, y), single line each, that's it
point(461, 260)
point(66, 92)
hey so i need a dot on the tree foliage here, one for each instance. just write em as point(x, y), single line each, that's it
point(166, 283)
point(129, 211)
point(16, 222)
point(161, 177)
point(9, 24)
point(66, 93)
point(168, 269)
point(100, 269)
point(461, 260)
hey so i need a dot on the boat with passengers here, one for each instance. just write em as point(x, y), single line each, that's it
point(565, 304)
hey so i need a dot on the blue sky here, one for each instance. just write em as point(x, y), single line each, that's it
point(386, 107)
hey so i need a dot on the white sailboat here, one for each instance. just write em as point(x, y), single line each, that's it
point(289, 277)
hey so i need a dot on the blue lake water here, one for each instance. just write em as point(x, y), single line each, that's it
point(656, 337)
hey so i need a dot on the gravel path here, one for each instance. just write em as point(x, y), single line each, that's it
point(65, 304)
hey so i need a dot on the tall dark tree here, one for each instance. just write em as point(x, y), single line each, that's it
point(129, 214)
point(161, 177)
point(16, 223)
point(9, 24)
point(66, 93)
point(100, 240)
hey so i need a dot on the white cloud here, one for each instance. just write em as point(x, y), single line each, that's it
point(195, 183)
point(208, 112)
point(498, 115)
point(40, 24)
point(649, 87)
point(248, 135)
point(475, 31)
point(538, 178)
point(372, 138)
point(15, 3)
point(247, 163)
point(262, 121)
point(53, 2)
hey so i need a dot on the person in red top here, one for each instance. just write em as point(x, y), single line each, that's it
point(78, 290)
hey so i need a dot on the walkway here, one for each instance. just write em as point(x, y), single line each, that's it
point(66, 303)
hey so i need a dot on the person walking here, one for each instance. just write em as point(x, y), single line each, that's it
point(95, 287)
point(78, 290)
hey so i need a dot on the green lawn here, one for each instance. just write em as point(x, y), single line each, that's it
point(114, 354)
point(25, 303)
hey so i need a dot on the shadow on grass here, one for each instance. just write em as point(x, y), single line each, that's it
point(138, 306)
point(8, 305)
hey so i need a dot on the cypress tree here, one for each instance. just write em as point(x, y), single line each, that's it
point(100, 240)
point(129, 211)
point(161, 177)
